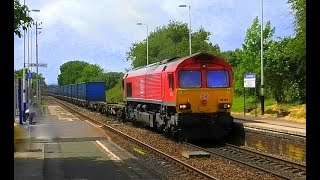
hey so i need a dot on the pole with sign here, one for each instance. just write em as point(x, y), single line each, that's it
point(38, 80)
point(29, 89)
point(249, 82)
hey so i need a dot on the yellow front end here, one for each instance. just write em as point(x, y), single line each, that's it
point(204, 100)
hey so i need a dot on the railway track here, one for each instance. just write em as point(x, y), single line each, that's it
point(180, 168)
point(278, 167)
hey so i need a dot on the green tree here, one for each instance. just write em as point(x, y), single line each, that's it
point(71, 71)
point(21, 18)
point(112, 78)
point(278, 69)
point(231, 57)
point(35, 76)
point(298, 48)
point(249, 56)
point(284, 74)
point(90, 73)
point(299, 8)
point(284, 59)
point(170, 41)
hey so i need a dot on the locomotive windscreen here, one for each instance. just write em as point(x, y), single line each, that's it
point(217, 78)
point(189, 79)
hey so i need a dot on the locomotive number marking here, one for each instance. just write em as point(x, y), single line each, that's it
point(204, 96)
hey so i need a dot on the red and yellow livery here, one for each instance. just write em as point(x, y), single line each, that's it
point(188, 97)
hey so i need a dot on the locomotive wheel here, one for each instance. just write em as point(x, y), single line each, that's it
point(166, 132)
point(173, 133)
point(135, 122)
point(176, 135)
point(159, 128)
point(155, 125)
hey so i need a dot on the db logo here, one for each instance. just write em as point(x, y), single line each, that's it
point(204, 96)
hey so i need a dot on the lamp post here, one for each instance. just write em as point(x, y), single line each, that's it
point(37, 90)
point(183, 5)
point(28, 68)
point(30, 80)
point(262, 83)
point(147, 40)
point(24, 73)
point(30, 84)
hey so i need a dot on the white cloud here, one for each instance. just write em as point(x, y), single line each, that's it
point(101, 31)
point(92, 19)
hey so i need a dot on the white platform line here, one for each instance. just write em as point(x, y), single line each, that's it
point(91, 123)
point(109, 153)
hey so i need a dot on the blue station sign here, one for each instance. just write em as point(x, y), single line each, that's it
point(250, 80)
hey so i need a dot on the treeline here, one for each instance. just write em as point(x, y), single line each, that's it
point(79, 71)
point(284, 58)
point(284, 64)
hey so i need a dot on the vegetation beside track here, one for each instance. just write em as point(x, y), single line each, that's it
point(290, 112)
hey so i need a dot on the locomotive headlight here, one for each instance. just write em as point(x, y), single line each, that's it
point(224, 106)
point(184, 106)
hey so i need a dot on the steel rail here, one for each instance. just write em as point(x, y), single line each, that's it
point(143, 145)
point(298, 166)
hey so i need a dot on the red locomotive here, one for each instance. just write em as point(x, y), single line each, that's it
point(188, 97)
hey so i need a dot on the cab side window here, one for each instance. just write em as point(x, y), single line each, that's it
point(129, 89)
point(170, 80)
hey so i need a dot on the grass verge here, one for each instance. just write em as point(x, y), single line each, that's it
point(290, 112)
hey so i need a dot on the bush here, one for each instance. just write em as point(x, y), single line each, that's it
point(115, 94)
point(238, 103)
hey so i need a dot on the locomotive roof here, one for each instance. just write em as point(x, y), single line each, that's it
point(159, 66)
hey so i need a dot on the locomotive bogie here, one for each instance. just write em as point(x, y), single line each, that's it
point(205, 125)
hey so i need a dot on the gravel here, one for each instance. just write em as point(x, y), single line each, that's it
point(215, 166)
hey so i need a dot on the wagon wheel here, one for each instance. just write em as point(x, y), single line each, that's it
point(123, 116)
point(120, 116)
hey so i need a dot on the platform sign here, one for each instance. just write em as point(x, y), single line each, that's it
point(249, 80)
point(37, 65)
point(29, 75)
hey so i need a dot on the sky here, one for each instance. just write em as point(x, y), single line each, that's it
point(102, 31)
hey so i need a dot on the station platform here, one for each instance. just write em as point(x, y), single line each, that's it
point(60, 146)
point(280, 125)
